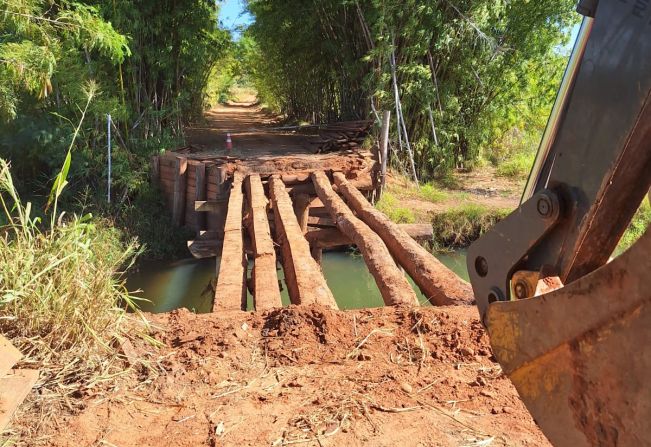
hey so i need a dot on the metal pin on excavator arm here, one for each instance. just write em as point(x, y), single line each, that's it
point(572, 331)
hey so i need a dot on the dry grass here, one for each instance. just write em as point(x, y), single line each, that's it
point(62, 302)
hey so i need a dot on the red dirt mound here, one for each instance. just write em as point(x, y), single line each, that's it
point(311, 376)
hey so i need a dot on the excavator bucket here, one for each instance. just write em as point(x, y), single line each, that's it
point(579, 355)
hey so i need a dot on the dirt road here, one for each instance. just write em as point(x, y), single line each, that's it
point(310, 376)
point(253, 131)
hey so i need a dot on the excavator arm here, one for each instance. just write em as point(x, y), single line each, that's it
point(570, 329)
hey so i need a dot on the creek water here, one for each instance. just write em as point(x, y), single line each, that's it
point(165, 286)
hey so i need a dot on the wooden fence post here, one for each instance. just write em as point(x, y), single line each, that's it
point(384, 151)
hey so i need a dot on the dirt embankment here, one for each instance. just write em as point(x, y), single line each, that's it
point(309, 376)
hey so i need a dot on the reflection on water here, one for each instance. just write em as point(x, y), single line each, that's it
point(190, 283)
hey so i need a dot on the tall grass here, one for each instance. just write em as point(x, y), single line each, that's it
point(62, 302)
point(461, 226)
point(390, 206)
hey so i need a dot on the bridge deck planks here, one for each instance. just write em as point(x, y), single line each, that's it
point(305, 281)
point(230, 293)
point(266, 293)
point(393, 285)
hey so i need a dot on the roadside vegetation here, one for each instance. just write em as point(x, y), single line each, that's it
point(476, 79)
point(149, 64)
point(460, 226)
point(63, 302)
point(641, 221)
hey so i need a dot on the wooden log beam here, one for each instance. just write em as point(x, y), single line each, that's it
point(393, 284)
point(438, 283)
point(302, 210)
point(266, 294)
point(363, 183)
point(230, 293)
point(305, 281)
point(326, 238)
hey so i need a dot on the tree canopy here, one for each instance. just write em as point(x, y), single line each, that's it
point(469, 71)
point(145, 62)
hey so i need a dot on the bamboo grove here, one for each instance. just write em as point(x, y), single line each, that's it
point(474, 77)
point(144, 62)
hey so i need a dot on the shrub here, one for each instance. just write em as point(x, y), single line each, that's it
point(62, 299)
point(517, 167)
point(461, 226)
point(429, 192)
point(637, 227)
point(388, 204)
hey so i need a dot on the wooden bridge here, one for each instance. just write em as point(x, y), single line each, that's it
point(287, 210)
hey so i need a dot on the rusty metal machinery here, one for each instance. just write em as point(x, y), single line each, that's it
point(572, 331)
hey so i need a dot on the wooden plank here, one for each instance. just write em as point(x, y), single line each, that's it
point(326, 238)
point(9, 356)
point(202, 247)
point(209, 206)
point(393, 285)
point(363, 183)
point(168, 161)
point(178, 200)
point(206, 248)
point(318, 221)
point(438, 283)
point(305, 281)
point(230, 293)
point(217, 218)
point(266, 292)
point(14, 388)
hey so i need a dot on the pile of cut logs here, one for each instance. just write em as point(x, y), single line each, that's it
point(342, 136)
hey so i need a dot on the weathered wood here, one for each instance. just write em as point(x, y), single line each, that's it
point(438, 283)
point(393, 285)
point(14, 388)
point(230, 293)
point(302, 210)
point(364, 183)
point(9, 356)
point(203, 248)
point(214, 193)
point(305, 281)
point(326, 238)
point(318, 221)
point(210, 206)
point(178, 201)
point(317, 254)
point(266, 294)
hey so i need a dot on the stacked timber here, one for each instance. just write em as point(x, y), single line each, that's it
point(342, 136)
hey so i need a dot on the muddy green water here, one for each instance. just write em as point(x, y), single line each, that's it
point(167, 286)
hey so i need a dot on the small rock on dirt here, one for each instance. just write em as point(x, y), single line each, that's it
point(406, 387)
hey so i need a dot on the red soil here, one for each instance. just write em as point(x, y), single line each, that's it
point(312, 376)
